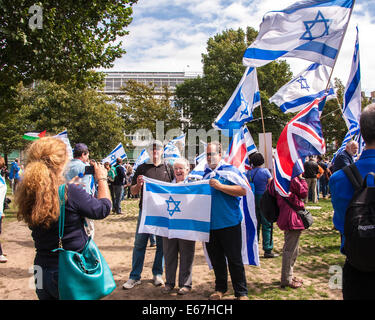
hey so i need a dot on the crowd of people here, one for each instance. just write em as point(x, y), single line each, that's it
point(91, 197)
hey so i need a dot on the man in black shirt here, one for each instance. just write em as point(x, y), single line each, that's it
point(311, 171)
point(159, 171)
point(118, 185)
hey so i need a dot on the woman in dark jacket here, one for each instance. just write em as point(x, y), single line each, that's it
point(38, 205)
point(292, 225)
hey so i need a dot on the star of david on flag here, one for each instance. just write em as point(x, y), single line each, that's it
point(239, 108)
point(118, 152)
point(308, 85)
point(309, 29)
point(173, 206)
point(316, 28)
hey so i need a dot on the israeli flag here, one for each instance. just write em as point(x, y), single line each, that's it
point(308, 85)
point(240, 106)
point(118, 152)
point(64, 137)
point(142, 158)
point(176, 210)
point(352, 95)
point(198, 172)
point(310, 30)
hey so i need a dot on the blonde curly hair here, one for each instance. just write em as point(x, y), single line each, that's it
point(37, 194)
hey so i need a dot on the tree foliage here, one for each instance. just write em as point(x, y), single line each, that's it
point(75, 37)
point(89, 116)
point(142, 105)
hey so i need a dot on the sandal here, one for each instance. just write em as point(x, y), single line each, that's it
point(293, 284)
point(297, 280)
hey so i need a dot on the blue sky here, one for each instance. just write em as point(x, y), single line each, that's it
point(171, 35)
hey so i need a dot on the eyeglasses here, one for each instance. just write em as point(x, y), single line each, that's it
point(210, 154)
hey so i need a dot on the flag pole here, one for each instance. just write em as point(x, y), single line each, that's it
point(334, 64)
point(342, 40)
point(264, 134)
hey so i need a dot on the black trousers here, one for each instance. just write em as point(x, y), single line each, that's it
point(357, 285)
point(225, 245)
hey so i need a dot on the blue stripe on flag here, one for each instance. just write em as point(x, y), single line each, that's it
point(317, 3)
point(262, 54)
point(303, 100)
point(318, 47)
point(353, 87)
point(203, 189)
point(178, 224)
point(250, 234)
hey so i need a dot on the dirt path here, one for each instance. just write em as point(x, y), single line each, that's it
point(115, 236)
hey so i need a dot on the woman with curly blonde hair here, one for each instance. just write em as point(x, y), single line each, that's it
point(38, 205)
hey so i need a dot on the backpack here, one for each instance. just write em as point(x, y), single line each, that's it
point(112, 173)
point(268, 206)
point(359, 226)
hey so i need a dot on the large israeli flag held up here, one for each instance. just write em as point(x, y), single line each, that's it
point(240, 106)
point(308, 85)
point(352, 94)
point(176, 210)
point(118, 152)
point(309, 29)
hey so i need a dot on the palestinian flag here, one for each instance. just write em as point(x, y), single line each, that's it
point(34, 135)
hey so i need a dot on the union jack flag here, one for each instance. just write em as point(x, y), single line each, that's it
point(240, 147)
point(301, 137)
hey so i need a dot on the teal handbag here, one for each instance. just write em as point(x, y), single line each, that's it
point(85, 275)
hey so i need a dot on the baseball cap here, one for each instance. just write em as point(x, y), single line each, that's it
point(80, 148)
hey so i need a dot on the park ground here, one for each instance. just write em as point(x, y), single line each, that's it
point(318, 264)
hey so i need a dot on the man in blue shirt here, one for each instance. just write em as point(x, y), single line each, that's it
point(225, 234)
point(346, 157)
point(356, 284)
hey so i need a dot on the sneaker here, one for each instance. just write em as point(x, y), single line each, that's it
point(158, 280)
point(131, 283)
point(183, 291)
point(242, 298)
point(270, 255)
point(3, 259)
point(217, 295)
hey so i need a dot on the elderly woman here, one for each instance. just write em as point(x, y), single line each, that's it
point(172, 247)
point(37, 199)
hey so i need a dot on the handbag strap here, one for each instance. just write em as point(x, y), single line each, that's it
point(62, 213)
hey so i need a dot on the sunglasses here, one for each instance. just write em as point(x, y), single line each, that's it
point(210, 154)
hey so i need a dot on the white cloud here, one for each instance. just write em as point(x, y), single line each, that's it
point(161, 39)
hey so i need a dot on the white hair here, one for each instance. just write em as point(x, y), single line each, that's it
point(182, 161)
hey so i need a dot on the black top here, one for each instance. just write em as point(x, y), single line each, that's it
point(120, 176)
point(342, 160)
point(78, 206)
point(162, 172)
point(311, 169)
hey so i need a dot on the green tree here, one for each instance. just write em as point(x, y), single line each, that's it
point(203, 98)
point(89, 116)
point(74, 37)
point(142, 105)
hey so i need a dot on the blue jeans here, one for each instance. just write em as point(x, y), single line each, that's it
point(139, 250)
point(49, 284)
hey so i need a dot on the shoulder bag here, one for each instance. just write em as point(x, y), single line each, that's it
point(85, 275)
